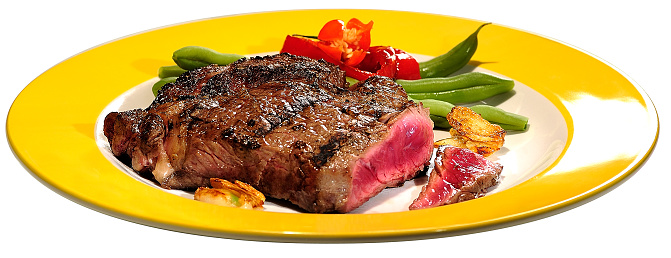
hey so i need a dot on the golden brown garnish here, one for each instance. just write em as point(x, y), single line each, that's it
point(469, 130)
point(225, 193)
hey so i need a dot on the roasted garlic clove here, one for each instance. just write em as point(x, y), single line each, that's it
point(469, 130)
point(225, 193)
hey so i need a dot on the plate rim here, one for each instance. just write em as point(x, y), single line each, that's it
point(15, 124)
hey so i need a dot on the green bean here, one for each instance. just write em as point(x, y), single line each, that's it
point(465, 95)
point(351, 80)
point(192, 57)
point(159, 84)
point(170, 71)
point(436, 107)
point(460, 81)
point(508, 121)
point(453, 60)
point(440, 122)
point(508, 127)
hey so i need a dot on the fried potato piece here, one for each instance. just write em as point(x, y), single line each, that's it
point(225, 193)
point(469, 130)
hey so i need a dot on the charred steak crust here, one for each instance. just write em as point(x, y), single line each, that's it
point(249, 73)
point(287, 125)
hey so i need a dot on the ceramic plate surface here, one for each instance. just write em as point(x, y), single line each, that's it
point(573, 150)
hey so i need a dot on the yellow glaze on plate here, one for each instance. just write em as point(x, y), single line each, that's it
point(612, 125)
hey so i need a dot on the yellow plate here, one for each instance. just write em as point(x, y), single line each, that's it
point(611, 126)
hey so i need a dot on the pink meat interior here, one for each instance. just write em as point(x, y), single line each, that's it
point(405, 151)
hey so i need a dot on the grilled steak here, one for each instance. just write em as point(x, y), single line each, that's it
point(459, 175)
point(287, 125)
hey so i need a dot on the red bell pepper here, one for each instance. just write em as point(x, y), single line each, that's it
point(348, 46)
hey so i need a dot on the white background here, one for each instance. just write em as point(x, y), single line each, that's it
point(630, 220)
